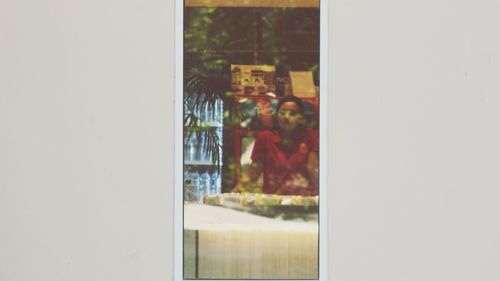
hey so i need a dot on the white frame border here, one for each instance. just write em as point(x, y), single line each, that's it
point(178, 149)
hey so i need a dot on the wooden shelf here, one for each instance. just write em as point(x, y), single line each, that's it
point(199, 163)
point(254, 3)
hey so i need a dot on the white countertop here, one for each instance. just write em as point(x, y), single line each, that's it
point(214, 218)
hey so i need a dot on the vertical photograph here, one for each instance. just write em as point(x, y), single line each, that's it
point(251, 150)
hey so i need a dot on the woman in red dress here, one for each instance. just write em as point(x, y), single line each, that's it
point(287, 156)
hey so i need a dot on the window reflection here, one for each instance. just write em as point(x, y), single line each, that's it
point(251, 149)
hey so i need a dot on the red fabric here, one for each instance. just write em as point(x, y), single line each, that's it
point(285, 172)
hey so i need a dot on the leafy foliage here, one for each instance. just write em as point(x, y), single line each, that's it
point(215, 38)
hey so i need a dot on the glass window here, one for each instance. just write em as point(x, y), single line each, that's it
point(251, 139)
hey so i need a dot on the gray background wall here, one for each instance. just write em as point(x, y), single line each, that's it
point(86, 120)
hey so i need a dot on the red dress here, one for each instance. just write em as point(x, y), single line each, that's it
point(285, 170)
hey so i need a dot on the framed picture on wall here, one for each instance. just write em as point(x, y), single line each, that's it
point(252, 80)
point(250, 185)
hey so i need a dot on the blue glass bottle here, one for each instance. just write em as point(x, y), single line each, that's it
point(204, 184)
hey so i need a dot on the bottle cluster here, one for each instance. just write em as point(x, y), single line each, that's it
point(202, 175)
point(201, 182)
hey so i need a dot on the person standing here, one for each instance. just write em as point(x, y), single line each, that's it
point(286, 156)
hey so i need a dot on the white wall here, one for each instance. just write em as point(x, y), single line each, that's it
point(415, 129)
point(86, 115)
